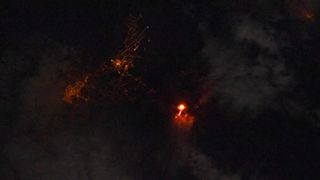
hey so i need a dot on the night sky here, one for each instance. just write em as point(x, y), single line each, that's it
point(247, 70)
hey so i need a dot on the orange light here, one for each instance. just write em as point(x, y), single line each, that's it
point(116, 63)
point(73, 91)
point(308, 15)
point(301, 10)
point(121, 64)
point(182, 119)
point(181, 107)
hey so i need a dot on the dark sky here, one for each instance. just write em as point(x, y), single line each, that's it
point(248, 71)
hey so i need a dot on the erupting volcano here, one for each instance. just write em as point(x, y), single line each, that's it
point(182, 119)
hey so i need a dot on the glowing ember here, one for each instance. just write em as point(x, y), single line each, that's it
point(73, 91)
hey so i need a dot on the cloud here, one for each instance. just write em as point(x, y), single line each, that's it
point(201, 165)
point(252, 31)
point(52, 140)
point(69, 157)
point(41, 96)
point(248, 70)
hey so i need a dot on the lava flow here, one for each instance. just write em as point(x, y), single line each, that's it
point(182, 119)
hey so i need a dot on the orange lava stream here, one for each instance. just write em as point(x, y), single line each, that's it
point(182, 119)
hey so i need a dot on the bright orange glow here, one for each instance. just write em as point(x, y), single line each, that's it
point(181, 107)
point(182, 119)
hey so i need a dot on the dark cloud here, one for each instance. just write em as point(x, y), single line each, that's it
point(69, 157)
point(256, 81)
point(45, 143)
point(201, 165)
point(250, 72)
